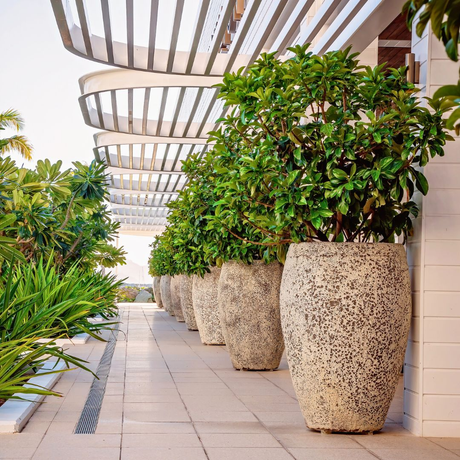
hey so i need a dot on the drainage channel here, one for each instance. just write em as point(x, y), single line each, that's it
point(90, 414)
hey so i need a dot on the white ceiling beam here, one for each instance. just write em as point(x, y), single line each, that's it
point(116, 171)
point(372, 19)
point(114, 79)
point(107, 138)
point(127, 191)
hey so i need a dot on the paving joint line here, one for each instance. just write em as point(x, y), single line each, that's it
point(175, 384)
point(127, 313)
point(249, 410)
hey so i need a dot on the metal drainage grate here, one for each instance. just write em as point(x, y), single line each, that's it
point(90, 415)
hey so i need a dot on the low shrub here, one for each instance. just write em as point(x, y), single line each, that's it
point(127, 294)
point(21, 355)
point(64, 302)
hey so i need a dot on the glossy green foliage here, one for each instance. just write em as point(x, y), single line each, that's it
point(195, 239)
point(161, 261)
point(63, 302)
point(444, 19)
point(318, 148)
point(26, 315)
point(19, 360)
point(49, 211)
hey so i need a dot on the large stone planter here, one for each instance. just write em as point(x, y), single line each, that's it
point(345, 312)
point(186, 285)
point(205, 304)
point(165, 289)
point(250, 313)
point(175, 298)
point(157, 291)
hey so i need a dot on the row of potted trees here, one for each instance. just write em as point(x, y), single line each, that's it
point(287, 232)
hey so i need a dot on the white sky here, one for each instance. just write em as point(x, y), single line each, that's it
point(39, 78)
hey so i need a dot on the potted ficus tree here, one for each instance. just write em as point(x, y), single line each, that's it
point(174, 273)
point(248, 286)
point(156, 280)
point(160, 266)
point(324, 157)
point(194, 247)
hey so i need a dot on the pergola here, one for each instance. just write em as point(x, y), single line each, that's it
point(159, 105)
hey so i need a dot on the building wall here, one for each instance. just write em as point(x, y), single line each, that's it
point(432, 368)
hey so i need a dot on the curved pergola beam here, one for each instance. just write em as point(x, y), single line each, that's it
point(127, 191)
point(116, 171)
point(106, 80)
point(108, 138)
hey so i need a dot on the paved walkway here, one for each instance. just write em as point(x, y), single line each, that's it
point(170, 398)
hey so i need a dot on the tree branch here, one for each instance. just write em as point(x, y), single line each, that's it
point(255, 242)
point(73, 247)
point(67, 216)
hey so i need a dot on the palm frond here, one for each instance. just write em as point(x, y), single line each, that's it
point(11, 119)
point(18, 143)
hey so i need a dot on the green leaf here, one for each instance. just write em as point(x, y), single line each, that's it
point(292, 176)
point(377, 137)
point(339, 174)
point(296, 136)
point(447, 91)
point(420, 181)
point(327, 129)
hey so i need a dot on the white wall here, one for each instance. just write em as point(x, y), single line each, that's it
point(432, 369)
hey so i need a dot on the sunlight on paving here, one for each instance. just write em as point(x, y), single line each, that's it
point(169, 397)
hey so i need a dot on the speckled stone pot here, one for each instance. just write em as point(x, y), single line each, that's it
point(250, 313)
point(345, 312)
point(205, 304)
point(165, 289)
point(186, 284)
point(175, 298)
point(157, 291)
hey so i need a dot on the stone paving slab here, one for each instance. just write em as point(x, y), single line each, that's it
point(169, 397)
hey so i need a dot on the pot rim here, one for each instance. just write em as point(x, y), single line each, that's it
point(343, 243)
point(255, 262)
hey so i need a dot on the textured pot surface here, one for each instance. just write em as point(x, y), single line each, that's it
point(204, 295)
point(186, 284)
point(250, 313)
point(165, 289)
point(157, 291)
point(345, 312)
point(175, 297)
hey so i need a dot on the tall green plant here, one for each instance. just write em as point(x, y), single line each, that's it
point(191, 243)
point(319, 148)
point(57, 212)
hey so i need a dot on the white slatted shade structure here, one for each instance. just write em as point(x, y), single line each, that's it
point(143, 103)
point(198, 37)
point(159, 105)
point(145, 175)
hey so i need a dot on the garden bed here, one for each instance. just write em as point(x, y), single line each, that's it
point(14, 414)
